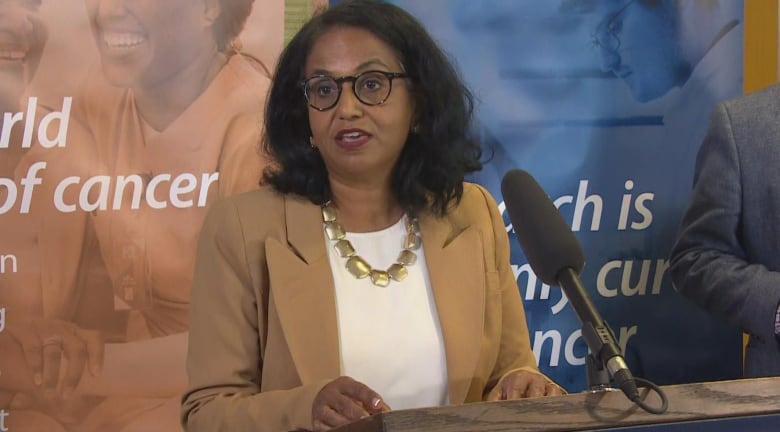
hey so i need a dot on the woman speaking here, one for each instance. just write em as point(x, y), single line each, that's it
point(367, 275)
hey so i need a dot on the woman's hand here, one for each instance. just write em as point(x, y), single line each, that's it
point(343, 401)
point(47, 344)
point(521, 384)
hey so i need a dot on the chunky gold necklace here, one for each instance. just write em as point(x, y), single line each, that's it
point(357, 266)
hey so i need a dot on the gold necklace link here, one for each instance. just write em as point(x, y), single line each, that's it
point(360, 268)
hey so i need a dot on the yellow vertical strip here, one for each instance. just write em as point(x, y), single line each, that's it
point(297, 12)
point(761, 44)
point(760, 51)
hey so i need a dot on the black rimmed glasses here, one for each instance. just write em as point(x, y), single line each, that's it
point(605, 35)
point(370, 87)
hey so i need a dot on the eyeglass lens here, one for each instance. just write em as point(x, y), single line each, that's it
point(371, 88)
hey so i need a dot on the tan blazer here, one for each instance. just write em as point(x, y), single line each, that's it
point(264, 335)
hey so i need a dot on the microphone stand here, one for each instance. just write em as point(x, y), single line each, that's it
point(598, 378)
point(605, 358)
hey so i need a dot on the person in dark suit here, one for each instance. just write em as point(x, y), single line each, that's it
point(727, 255)
point(367, 274)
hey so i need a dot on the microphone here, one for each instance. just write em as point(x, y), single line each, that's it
point(556, 258)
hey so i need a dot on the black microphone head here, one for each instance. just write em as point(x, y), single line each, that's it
point(546, 239)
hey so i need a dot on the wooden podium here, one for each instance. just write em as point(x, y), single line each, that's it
point(742, 405)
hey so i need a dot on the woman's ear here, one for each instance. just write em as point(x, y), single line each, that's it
point(415, 123)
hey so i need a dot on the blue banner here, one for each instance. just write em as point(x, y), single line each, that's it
point(605, 103)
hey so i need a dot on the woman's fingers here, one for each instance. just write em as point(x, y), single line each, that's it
point(343, 401)
point(524, 384)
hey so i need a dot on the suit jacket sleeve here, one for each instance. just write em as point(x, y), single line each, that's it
point(514, 344)
point(709, 263)
point(224, 361)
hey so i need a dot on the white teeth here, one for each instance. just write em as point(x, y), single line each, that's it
point(122, 40)
point(351, 135)
point(13, 55)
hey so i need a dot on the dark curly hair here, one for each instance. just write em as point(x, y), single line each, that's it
point(436, 156)
point(230, 22)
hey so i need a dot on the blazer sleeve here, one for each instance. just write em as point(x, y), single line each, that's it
point(709, 263)
point(224, 360)
point(514, 343)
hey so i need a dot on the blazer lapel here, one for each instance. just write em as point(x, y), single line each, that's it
point(304, 298)
point(303, 293)
point(456, 271)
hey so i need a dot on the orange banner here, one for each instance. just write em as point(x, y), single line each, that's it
point(122, 121)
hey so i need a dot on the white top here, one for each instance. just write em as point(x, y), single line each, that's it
point(390, 338)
